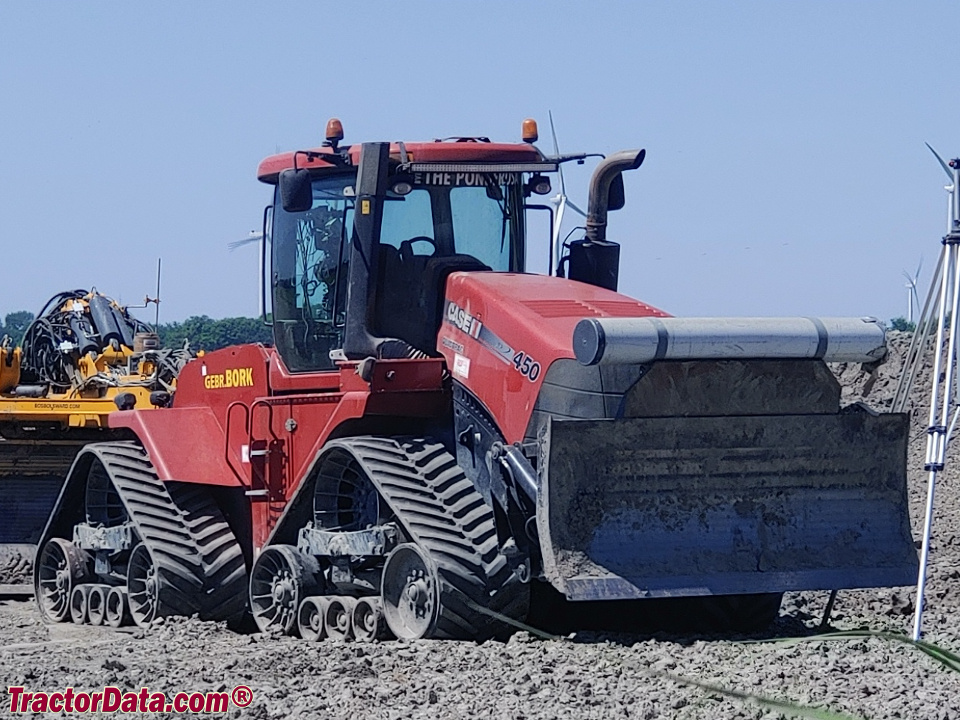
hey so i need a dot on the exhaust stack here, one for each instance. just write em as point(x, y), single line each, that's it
point(603, 177)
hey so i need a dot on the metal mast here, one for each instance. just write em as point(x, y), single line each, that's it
point(943, 414)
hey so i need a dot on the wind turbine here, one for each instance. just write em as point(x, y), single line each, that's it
point(913, 301)
point(255, 236)
point(560, 201)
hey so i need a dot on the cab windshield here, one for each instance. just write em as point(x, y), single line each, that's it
point(471, 218)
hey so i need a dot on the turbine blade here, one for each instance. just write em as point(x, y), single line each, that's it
point(558, 220)
point(943, 164)
point(556, 152)
point(246, 241)
point(575, 208)
point(553, 134)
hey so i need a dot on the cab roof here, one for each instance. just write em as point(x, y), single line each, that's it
point(462, 150)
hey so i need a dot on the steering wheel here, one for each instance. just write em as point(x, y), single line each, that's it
point(406, 247)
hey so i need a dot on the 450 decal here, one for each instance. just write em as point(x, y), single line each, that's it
point(527, 366)
point(467, 323)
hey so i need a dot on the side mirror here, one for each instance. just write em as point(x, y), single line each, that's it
point(296, 190)
point(617, 197)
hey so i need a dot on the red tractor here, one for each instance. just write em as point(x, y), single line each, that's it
point(436, 436)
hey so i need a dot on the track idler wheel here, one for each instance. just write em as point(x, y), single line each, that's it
point(411, 593)
point(368, 621)
point(61, 567)
point(338, 619)
point(145, 588)
point(115, 608)
point(97, 604)
point(310, 618)
point(282, 577)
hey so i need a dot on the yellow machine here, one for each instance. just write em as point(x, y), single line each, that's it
point(83, 357)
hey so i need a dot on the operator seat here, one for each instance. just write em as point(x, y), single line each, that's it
point(410, 293)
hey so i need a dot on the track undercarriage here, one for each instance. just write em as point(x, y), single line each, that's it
point(387, 537)
point(397, 542)
point(121, 545)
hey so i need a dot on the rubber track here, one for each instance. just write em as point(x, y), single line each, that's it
point(159, 523)
point(443, 513)
point(224, 595)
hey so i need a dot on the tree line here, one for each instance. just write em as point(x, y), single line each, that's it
point(205, 333)
point(202, 332)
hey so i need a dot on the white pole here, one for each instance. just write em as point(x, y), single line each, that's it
point(260, 285)
point(937, 434)
point(555, 239)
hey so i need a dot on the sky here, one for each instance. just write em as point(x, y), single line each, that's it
point(786, 172)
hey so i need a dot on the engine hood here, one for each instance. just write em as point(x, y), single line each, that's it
point(501, 332)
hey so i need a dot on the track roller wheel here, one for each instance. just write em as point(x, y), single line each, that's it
point(60, 568)
point(338, 619)
point(97, 604)
point(115, 608)
point(281, 578)
point(368, 621)
point(411, 593)
point(310, 618)
point(78, 604)
point(145, 588)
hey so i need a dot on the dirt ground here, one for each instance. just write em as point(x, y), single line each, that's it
point(586, 675)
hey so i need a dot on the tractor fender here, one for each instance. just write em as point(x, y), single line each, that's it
point(187, 444)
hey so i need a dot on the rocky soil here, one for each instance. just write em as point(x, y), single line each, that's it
point(16, 564)
point(585, 675)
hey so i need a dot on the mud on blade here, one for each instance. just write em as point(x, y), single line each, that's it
point(670, 506)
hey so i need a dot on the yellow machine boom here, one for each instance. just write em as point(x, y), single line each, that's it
point(81, 359)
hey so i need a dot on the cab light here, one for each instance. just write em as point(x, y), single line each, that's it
point(530, 133)
point(334, 131)
point(540, 184)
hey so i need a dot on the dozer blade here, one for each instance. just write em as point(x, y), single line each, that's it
point(661, 507)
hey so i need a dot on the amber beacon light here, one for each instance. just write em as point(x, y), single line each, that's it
point(530, 133)
point(334, 131)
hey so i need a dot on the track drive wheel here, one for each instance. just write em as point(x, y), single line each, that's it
point(411, 593)
point(60, 568)
point(145, 588)
point(281, 578)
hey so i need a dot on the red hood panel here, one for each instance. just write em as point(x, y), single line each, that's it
point(501, 332)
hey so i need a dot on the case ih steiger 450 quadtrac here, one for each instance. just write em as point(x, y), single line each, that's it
point(437, 437)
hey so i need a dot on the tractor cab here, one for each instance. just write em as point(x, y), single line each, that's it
point(426, 210)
